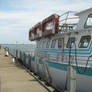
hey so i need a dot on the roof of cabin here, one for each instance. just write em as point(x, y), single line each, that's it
point(89, 9)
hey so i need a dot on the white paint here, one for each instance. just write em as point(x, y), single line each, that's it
point(39, 32)
point(71, 85)
point(83, 17)
point(13, 60)
point(6, 54)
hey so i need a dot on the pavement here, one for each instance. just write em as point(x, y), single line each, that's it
point(13, 78)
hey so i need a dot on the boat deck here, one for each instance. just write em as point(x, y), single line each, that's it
point(13, 78)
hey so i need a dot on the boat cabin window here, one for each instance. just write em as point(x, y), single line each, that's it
point(89, 21)
point(43, 44)
point(84, 42)
point(48, 44)
point(40, 45)
point(53, 43)
point(37, 46)
point(60, 43)
point(71, 42)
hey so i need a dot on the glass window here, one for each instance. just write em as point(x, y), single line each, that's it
point(37, 46)
point(40, 44)
point(71, 42)
point(49, 26)
point(43, 44)
point(60, 43)
point(48, 44)
point(89, 21)
point(53, 44)
point(84, 42)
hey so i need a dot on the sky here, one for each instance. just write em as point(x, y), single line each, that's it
point(18, 16)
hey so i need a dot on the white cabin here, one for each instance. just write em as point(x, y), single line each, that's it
point(85, 20)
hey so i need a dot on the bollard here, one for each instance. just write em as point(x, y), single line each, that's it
point(13, 60)
point(6, 54)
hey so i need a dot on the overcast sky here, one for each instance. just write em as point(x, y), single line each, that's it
point(18, 16)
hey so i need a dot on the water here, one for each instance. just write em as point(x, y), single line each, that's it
point(21, 47)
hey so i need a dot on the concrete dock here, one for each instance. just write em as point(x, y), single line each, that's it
point(13, 78)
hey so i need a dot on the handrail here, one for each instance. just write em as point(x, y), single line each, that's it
point(69, 18)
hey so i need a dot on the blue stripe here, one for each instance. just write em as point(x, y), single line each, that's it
point(66, 52)
point(57, 66)
point(84, 51)
point(88, 72)
point(65, 67)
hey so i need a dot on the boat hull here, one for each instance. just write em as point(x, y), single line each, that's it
point(58, 75)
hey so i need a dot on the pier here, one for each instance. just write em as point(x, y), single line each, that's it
point(14, 78)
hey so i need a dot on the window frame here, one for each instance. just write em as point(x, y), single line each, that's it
point(81, 39)
point(85, 25)
point(61, 44)
point(40, 44)
point(43, 44)
point(48, 44)
point(53, 44)
point(68, 42)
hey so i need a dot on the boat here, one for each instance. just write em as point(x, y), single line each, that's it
point(62, 40)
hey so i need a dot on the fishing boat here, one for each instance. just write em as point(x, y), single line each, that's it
point(62, 40)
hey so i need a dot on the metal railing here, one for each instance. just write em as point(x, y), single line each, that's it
point(67, 22)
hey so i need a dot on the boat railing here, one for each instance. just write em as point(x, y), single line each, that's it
point(58, 58)
point(68, 22)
